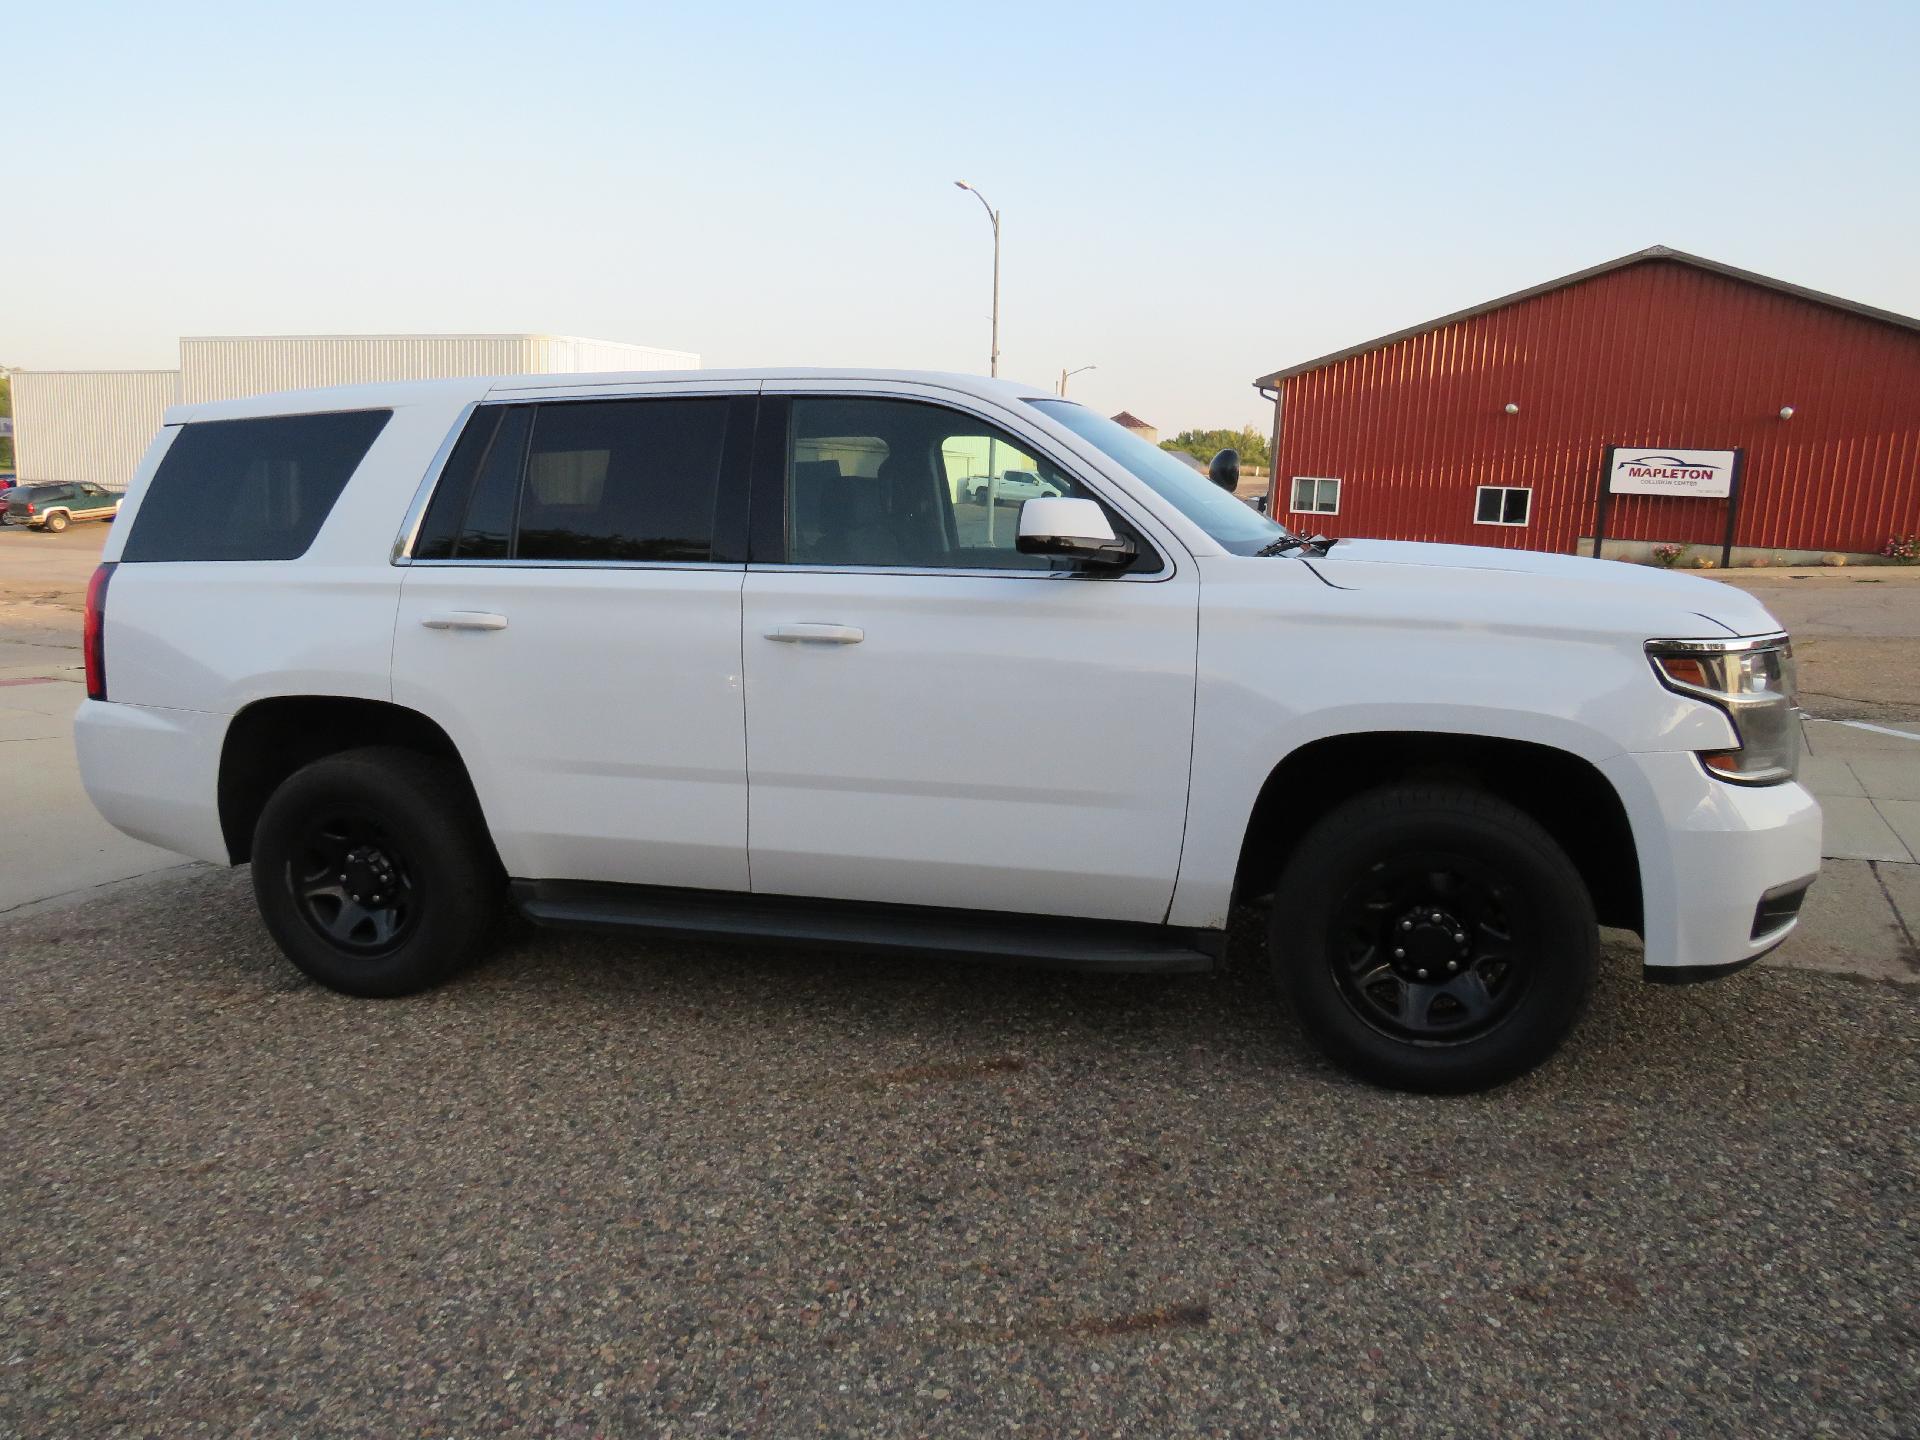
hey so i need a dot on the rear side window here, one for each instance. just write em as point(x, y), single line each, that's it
point(590, 480)
point(471, 514)
point(623, 480)
point(250, 489)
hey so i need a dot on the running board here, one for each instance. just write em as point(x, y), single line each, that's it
point(1044, 940)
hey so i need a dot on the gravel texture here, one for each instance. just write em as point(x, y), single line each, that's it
point(605, 1188)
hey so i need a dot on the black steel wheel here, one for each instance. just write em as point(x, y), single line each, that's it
point(373, 871)
point(1434, 938)
point(1428, 950)
point(354, 883)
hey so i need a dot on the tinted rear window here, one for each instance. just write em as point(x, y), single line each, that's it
point(250, 489)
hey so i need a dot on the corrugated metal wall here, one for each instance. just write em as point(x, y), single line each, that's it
point(222, 367)
point(87, 424)
point(1658, 354)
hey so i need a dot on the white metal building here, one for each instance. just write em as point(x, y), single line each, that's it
point(87, 424)
point(95, 424)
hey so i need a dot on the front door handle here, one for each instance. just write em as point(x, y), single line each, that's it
point(817, 634)
point(463, 620)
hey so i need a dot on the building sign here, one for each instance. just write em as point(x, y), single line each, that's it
point(1662, 470)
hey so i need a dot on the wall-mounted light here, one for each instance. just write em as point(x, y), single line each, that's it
point(1786, 412)
point(1512, 409)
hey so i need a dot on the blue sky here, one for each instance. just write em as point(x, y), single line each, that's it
point(1194, 194)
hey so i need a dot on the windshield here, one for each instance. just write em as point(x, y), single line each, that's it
point(1236, 526)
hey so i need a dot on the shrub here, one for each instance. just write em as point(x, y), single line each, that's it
point(1902, 548)
point(1668, 555)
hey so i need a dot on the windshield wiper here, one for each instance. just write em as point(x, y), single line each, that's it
point(1310, 544)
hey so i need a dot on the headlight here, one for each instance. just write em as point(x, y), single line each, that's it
point(1753, 682)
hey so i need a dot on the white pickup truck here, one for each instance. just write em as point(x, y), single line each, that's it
point(728, 653)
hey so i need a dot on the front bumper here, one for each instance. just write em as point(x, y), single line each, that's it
point(1718, 863)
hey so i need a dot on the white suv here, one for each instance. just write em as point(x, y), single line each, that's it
point(731, 654)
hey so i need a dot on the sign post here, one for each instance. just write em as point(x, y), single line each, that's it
point(1733, 509)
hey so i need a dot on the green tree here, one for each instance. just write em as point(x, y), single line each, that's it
point(1202, 444)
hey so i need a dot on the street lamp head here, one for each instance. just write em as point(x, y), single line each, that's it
point(963, 184)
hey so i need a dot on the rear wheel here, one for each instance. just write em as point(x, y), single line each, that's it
point(57, 521)
point(1434, 938)
point(373, 871)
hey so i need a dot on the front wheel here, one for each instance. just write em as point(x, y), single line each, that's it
point(1434, 937)
point(374, 873)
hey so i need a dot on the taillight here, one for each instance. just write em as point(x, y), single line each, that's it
point(30, 511)
point(94, 631)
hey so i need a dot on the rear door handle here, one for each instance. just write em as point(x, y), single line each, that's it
point(463, 620)
point(817, 634)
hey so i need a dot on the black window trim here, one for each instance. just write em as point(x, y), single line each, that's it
point(731, 502)
point(769, 503)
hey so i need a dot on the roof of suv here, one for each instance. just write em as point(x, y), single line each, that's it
point(458, 391)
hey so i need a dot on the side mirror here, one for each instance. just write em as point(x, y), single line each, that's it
point(1224, 470)
point(1078, 529)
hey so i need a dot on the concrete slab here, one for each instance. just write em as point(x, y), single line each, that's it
point(1850, 926)
point(1855, 830)
point(1902, 884)
point(1835, 738)
point(52, 841)
point(50, 696)
point(1828, 775)
point(1891, 776)
point(1903, 818)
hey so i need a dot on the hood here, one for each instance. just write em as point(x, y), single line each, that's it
point(1631, 596)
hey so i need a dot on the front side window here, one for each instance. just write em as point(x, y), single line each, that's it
point(250, 489)
point(905, 485)
point(1316, 495)
point(1237, 528)
point(1502, 505)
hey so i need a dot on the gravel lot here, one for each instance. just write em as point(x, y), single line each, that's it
point(602, 1188)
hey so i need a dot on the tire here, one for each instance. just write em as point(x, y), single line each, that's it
point(56, 522)
point(404, 829)
point(1500, 942)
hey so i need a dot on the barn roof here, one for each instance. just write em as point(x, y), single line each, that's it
point(1638, 257)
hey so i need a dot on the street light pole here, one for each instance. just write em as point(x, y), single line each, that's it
point(1066, 375)
point(993, 357)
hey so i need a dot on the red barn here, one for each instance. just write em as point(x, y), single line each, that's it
point(1732, 402)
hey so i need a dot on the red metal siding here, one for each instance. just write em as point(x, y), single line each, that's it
point(1657, 354)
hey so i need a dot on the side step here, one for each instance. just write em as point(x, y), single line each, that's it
point(1044, 940)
